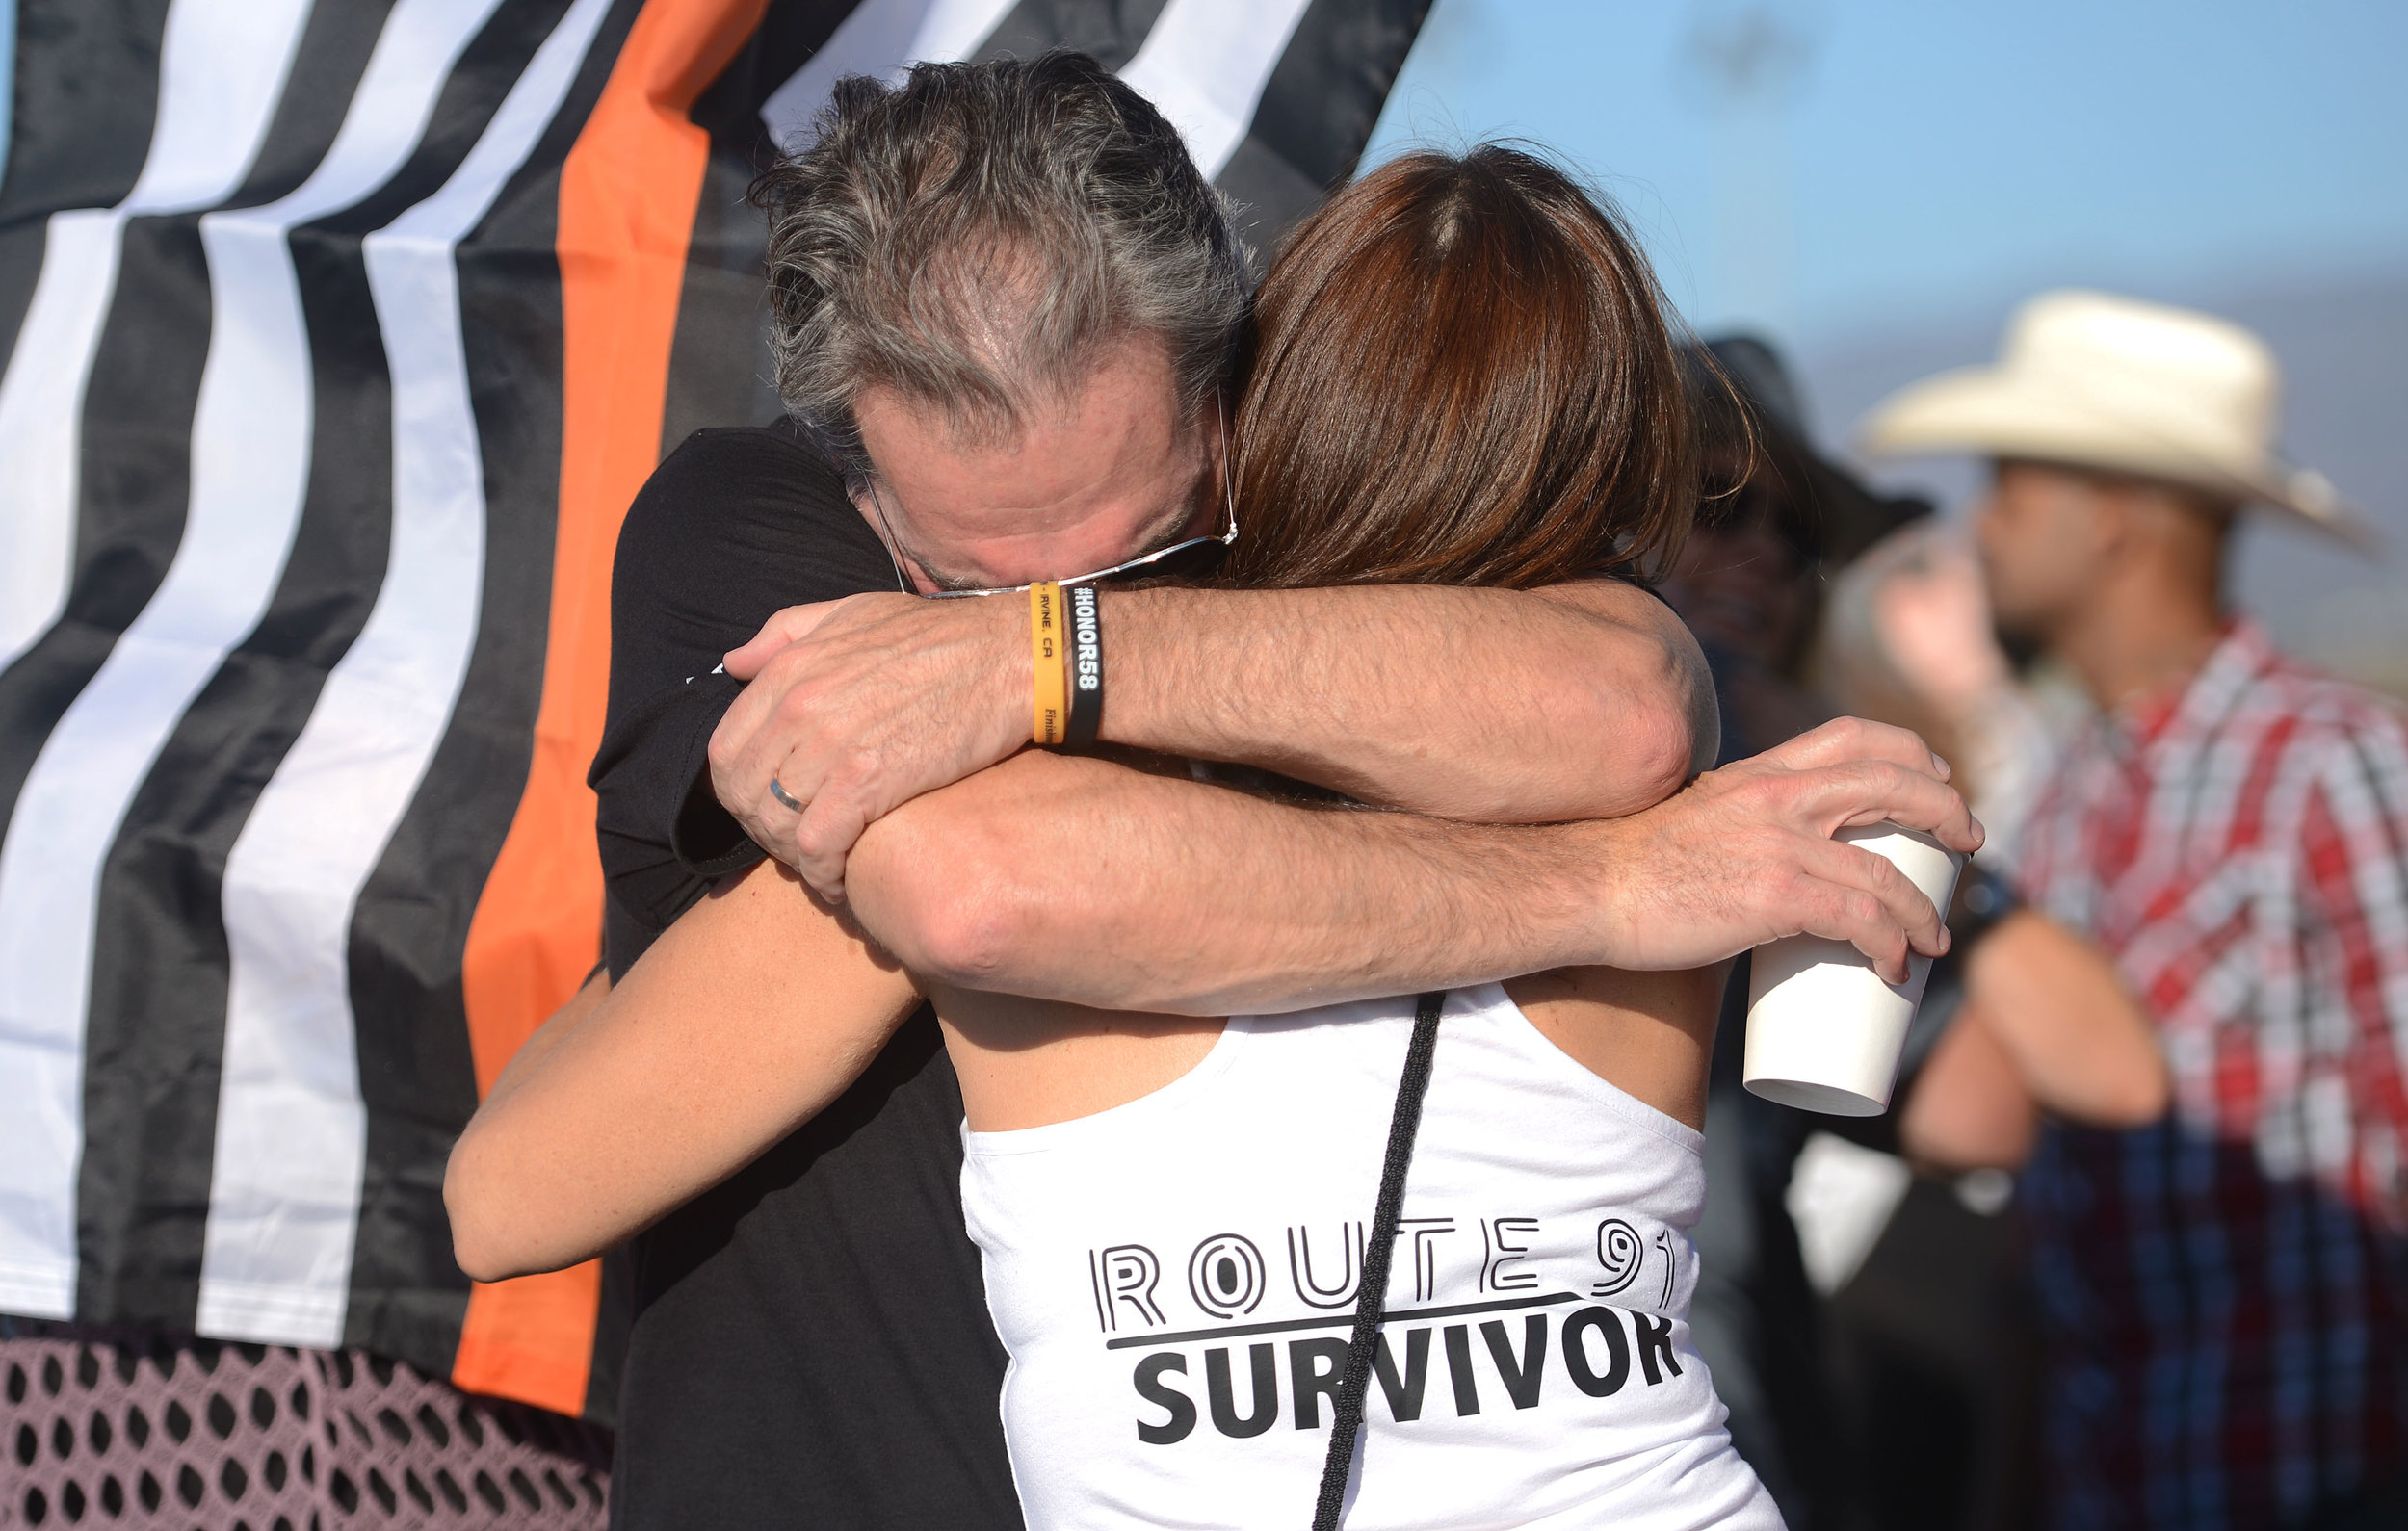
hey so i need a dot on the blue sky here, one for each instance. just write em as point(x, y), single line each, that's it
point(1940, 157)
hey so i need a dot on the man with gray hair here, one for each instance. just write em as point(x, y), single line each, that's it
point(1006, 303)
point(977, 245)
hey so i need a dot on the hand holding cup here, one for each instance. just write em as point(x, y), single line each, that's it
point(1824, 1029)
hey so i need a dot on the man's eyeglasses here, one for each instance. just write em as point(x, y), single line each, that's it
point(1193, 557)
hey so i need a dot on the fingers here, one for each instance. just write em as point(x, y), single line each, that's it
point(766, 733)
point(757, 742)
point(1867, 791)
point(830, 828)
point(781, 629)
point(1872, 906)
point(737, 777)
point(1849, 915)
point(1855, 739)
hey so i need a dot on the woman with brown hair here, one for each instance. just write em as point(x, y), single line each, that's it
point(1461, 376)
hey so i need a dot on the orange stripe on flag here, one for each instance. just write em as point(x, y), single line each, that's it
point(628, 191)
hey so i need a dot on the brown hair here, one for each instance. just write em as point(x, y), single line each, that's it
point(1462, 375)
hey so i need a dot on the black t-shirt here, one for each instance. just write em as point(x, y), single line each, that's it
point(811, 1343)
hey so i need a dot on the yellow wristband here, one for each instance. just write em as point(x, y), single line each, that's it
point(1046, 649)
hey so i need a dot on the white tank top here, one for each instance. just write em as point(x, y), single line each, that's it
point(1176, 1278)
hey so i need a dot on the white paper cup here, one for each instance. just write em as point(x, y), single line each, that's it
point(1824, 1032)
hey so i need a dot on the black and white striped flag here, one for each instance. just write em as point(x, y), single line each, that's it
point(339, 334)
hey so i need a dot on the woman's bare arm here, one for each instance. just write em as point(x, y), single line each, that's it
point(758, 1007)
point(557, 1028)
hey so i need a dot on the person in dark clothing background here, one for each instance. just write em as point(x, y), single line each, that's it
point(1848, 1426)
point(1749, 584)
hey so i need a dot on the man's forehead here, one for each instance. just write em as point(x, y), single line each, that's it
point(1125, 379)
point(1117, 433)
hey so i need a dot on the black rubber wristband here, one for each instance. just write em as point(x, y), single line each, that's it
point(1983, 900)
point(1086, 666)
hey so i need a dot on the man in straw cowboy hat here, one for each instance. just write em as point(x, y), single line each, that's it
point(2225, 1291)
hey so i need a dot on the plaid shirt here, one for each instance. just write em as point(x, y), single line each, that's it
point(2226, 1292)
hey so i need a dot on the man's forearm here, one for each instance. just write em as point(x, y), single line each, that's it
point(1075, 880)
point(1579, 701)
point(1491, 706)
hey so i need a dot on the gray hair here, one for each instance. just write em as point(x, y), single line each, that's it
point(975, 236)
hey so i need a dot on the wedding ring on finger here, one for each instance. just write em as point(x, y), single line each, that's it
point(783, 796)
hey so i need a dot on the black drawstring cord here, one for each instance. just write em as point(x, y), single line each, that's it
point(1371, 1296)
